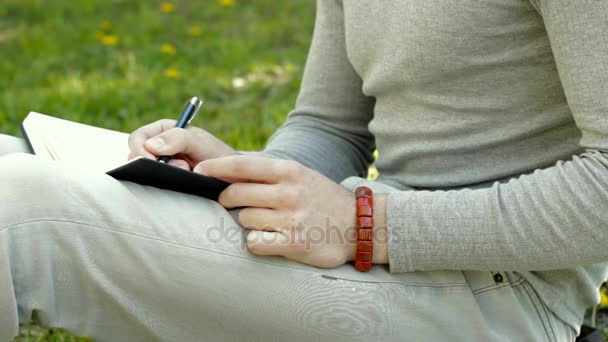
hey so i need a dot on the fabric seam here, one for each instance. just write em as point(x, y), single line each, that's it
point(88, 225)
point(496, 286)
point(524, 287)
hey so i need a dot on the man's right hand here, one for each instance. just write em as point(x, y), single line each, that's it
point(188, 147)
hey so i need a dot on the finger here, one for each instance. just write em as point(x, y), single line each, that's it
point(267, 243)
point(140, 135)
point(262, 219)
point(182, 164)
point(258, 169)
point(198, 169)
point(171, 142)
point(251, 195)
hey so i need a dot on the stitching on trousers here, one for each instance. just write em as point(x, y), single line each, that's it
point(546, 315)
point(16, 225)
point(398, 282)
point(489, 287)
point(537, 311)
point(492, 287)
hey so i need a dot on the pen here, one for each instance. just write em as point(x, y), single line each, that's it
point(187, 115)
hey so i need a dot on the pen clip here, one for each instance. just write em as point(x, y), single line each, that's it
point(197, 103)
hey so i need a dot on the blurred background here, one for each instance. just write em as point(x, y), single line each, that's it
point(120, 64)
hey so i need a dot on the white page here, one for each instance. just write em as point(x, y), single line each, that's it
point(81, 146)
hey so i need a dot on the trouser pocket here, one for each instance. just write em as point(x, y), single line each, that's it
point(513, 310)
point(555, 329)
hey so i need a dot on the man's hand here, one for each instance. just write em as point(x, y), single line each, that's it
point(188, 146)
point(291, 210)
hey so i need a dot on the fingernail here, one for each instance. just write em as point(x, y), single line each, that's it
point(156, 143)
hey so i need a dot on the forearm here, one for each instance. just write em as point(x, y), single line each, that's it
point(333, 153)
point(551, 219)
point(554, 218)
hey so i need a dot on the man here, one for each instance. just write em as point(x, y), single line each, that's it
point(490, 119)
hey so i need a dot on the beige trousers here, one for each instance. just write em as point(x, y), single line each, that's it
point(122, 262)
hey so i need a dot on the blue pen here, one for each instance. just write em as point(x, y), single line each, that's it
point(187, 115)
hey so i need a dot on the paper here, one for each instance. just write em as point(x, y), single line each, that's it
point(85, 147)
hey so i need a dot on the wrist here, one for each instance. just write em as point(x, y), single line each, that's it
point(380, 255)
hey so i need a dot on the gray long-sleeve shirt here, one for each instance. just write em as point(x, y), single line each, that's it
point(494, 112)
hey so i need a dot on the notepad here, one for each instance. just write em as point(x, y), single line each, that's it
point(97, 150)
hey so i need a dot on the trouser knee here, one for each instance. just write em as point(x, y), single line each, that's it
point(32, 188)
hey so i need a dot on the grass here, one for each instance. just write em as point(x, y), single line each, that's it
point(123, 63)
point(120, 64)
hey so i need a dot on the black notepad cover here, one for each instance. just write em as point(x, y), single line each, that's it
point(150, 172)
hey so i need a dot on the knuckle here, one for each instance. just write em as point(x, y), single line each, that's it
point(237, 163)
point(166, 122)
point(295, 169)
point(177, 133)
point(290, 195)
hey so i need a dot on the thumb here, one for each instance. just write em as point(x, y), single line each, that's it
point(267, 243)
point(172, 142)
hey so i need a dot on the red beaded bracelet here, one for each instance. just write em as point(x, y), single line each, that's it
point(365, 229)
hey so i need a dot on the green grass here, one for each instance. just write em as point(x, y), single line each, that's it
point(54, 61)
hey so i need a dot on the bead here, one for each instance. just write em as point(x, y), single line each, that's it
point(365, 234)
point(364, 201)
point(363, 256)
point(365, 226)
point(363, 266)
point(365, 222)
point(365, 211)
point(363, 191)
point(365, 246)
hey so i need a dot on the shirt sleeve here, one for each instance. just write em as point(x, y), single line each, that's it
point(553, 218)
point(328, 129)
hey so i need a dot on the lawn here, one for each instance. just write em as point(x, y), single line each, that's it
point(123, 63)
point(120, 64)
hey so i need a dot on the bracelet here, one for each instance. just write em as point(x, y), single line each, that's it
point(365, 229)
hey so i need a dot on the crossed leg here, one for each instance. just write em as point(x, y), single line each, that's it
point(122, 262)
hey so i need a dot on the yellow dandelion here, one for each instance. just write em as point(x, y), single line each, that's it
point(105, 25)
point(109, 39)
point(604, 302)
point(195, 31)
point(167, 7)
point(168, 49)
point(226, 3)
point(172, 73)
